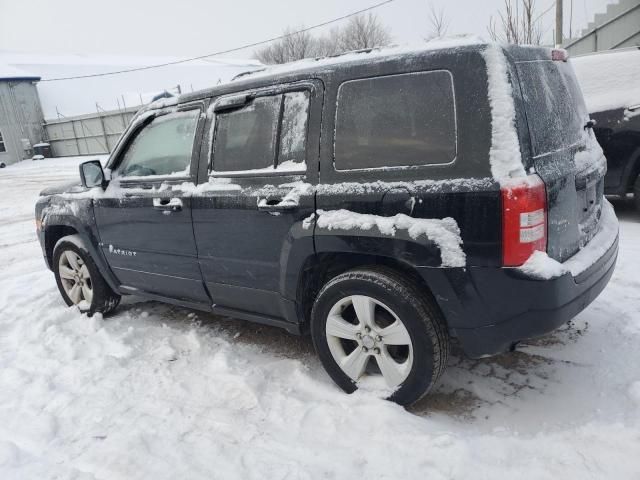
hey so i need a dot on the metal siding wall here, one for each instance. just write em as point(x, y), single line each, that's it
point(92, 134)
point(20, 118)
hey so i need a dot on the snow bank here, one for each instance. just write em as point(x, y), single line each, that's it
point(504, 156)
point(162, 392)
point(609, 80)
point(443, 232)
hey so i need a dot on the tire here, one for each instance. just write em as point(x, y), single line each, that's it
point(102, 298)
point(636, 193)
point(394, 299)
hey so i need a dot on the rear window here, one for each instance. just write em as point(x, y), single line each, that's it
point(556, 112)
point(246, 139)
point(396, 121)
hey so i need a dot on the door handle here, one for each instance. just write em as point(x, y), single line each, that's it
point(167, 204)
point(275, 205)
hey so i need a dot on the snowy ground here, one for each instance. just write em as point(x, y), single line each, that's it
point(163, 392)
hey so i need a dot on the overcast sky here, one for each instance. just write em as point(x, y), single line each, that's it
point(196, 27)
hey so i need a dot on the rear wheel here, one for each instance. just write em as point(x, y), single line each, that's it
point(79, 280)
point(636, 193)
point(373, 329)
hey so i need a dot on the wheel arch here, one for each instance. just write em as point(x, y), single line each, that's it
point(57, 227)
point(318, 269)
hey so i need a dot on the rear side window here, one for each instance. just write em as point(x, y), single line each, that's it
point(556, 112)
point(163, 147)
point(246, 138)
point(396, 121)
point(269, 134)
point(293, 139)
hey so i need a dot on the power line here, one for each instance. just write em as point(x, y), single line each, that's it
point(222, 52)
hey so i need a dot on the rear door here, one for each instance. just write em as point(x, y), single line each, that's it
point(263, 148)
point(144, 216)
point(564, 152)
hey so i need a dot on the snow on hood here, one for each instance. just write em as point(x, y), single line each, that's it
point(609, 80)
point(68, 187)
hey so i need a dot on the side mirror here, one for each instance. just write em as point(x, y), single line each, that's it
point(92, 175)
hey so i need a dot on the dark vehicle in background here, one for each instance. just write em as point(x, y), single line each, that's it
point(386, 201)
point(610, 82)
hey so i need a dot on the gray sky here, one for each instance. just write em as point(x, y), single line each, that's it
point(196, 27)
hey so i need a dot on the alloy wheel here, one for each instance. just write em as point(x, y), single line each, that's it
point(366, 337)
point(75, 277)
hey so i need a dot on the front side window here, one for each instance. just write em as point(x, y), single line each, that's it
point(396, 121)
point(2, 147)
point(163, 147)
point(267, 135)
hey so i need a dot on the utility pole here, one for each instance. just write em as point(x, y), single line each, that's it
point(558, 23)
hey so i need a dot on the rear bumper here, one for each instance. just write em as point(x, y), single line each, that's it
point(548, 305)
point(491, 309)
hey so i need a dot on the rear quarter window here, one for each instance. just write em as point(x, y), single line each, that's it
point(396, 121)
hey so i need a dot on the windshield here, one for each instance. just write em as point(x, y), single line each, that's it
point(556, 112)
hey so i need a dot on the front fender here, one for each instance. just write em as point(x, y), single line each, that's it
point(60, 218)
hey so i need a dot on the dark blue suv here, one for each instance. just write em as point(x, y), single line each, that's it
point(386, 201)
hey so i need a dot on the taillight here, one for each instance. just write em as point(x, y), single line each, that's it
point(524, 220)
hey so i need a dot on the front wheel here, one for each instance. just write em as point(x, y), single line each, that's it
point(374, 329)
point(79, 280)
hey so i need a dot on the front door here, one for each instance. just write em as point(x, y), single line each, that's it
point(144, 217)
point(257, 192)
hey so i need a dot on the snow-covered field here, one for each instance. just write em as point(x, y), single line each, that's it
point(159, 392)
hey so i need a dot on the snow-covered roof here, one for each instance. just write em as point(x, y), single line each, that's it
point(8, 72)
point(368, 55)
point(609, 79)
point(80, 96)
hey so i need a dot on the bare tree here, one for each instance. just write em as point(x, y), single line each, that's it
point(518, 23)
point(295, 45)
point(363, 31)
point(438, 23)
point(327, 44)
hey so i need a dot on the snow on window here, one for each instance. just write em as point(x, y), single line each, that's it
point(293, 134)
point(443, 232)
point(382, 122)
point(504, 156)
point(246, 138)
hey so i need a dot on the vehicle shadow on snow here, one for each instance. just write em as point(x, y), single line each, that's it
point(466, 386)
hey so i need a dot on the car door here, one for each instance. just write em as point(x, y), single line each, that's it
point(256, 193)
point(144, 216)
